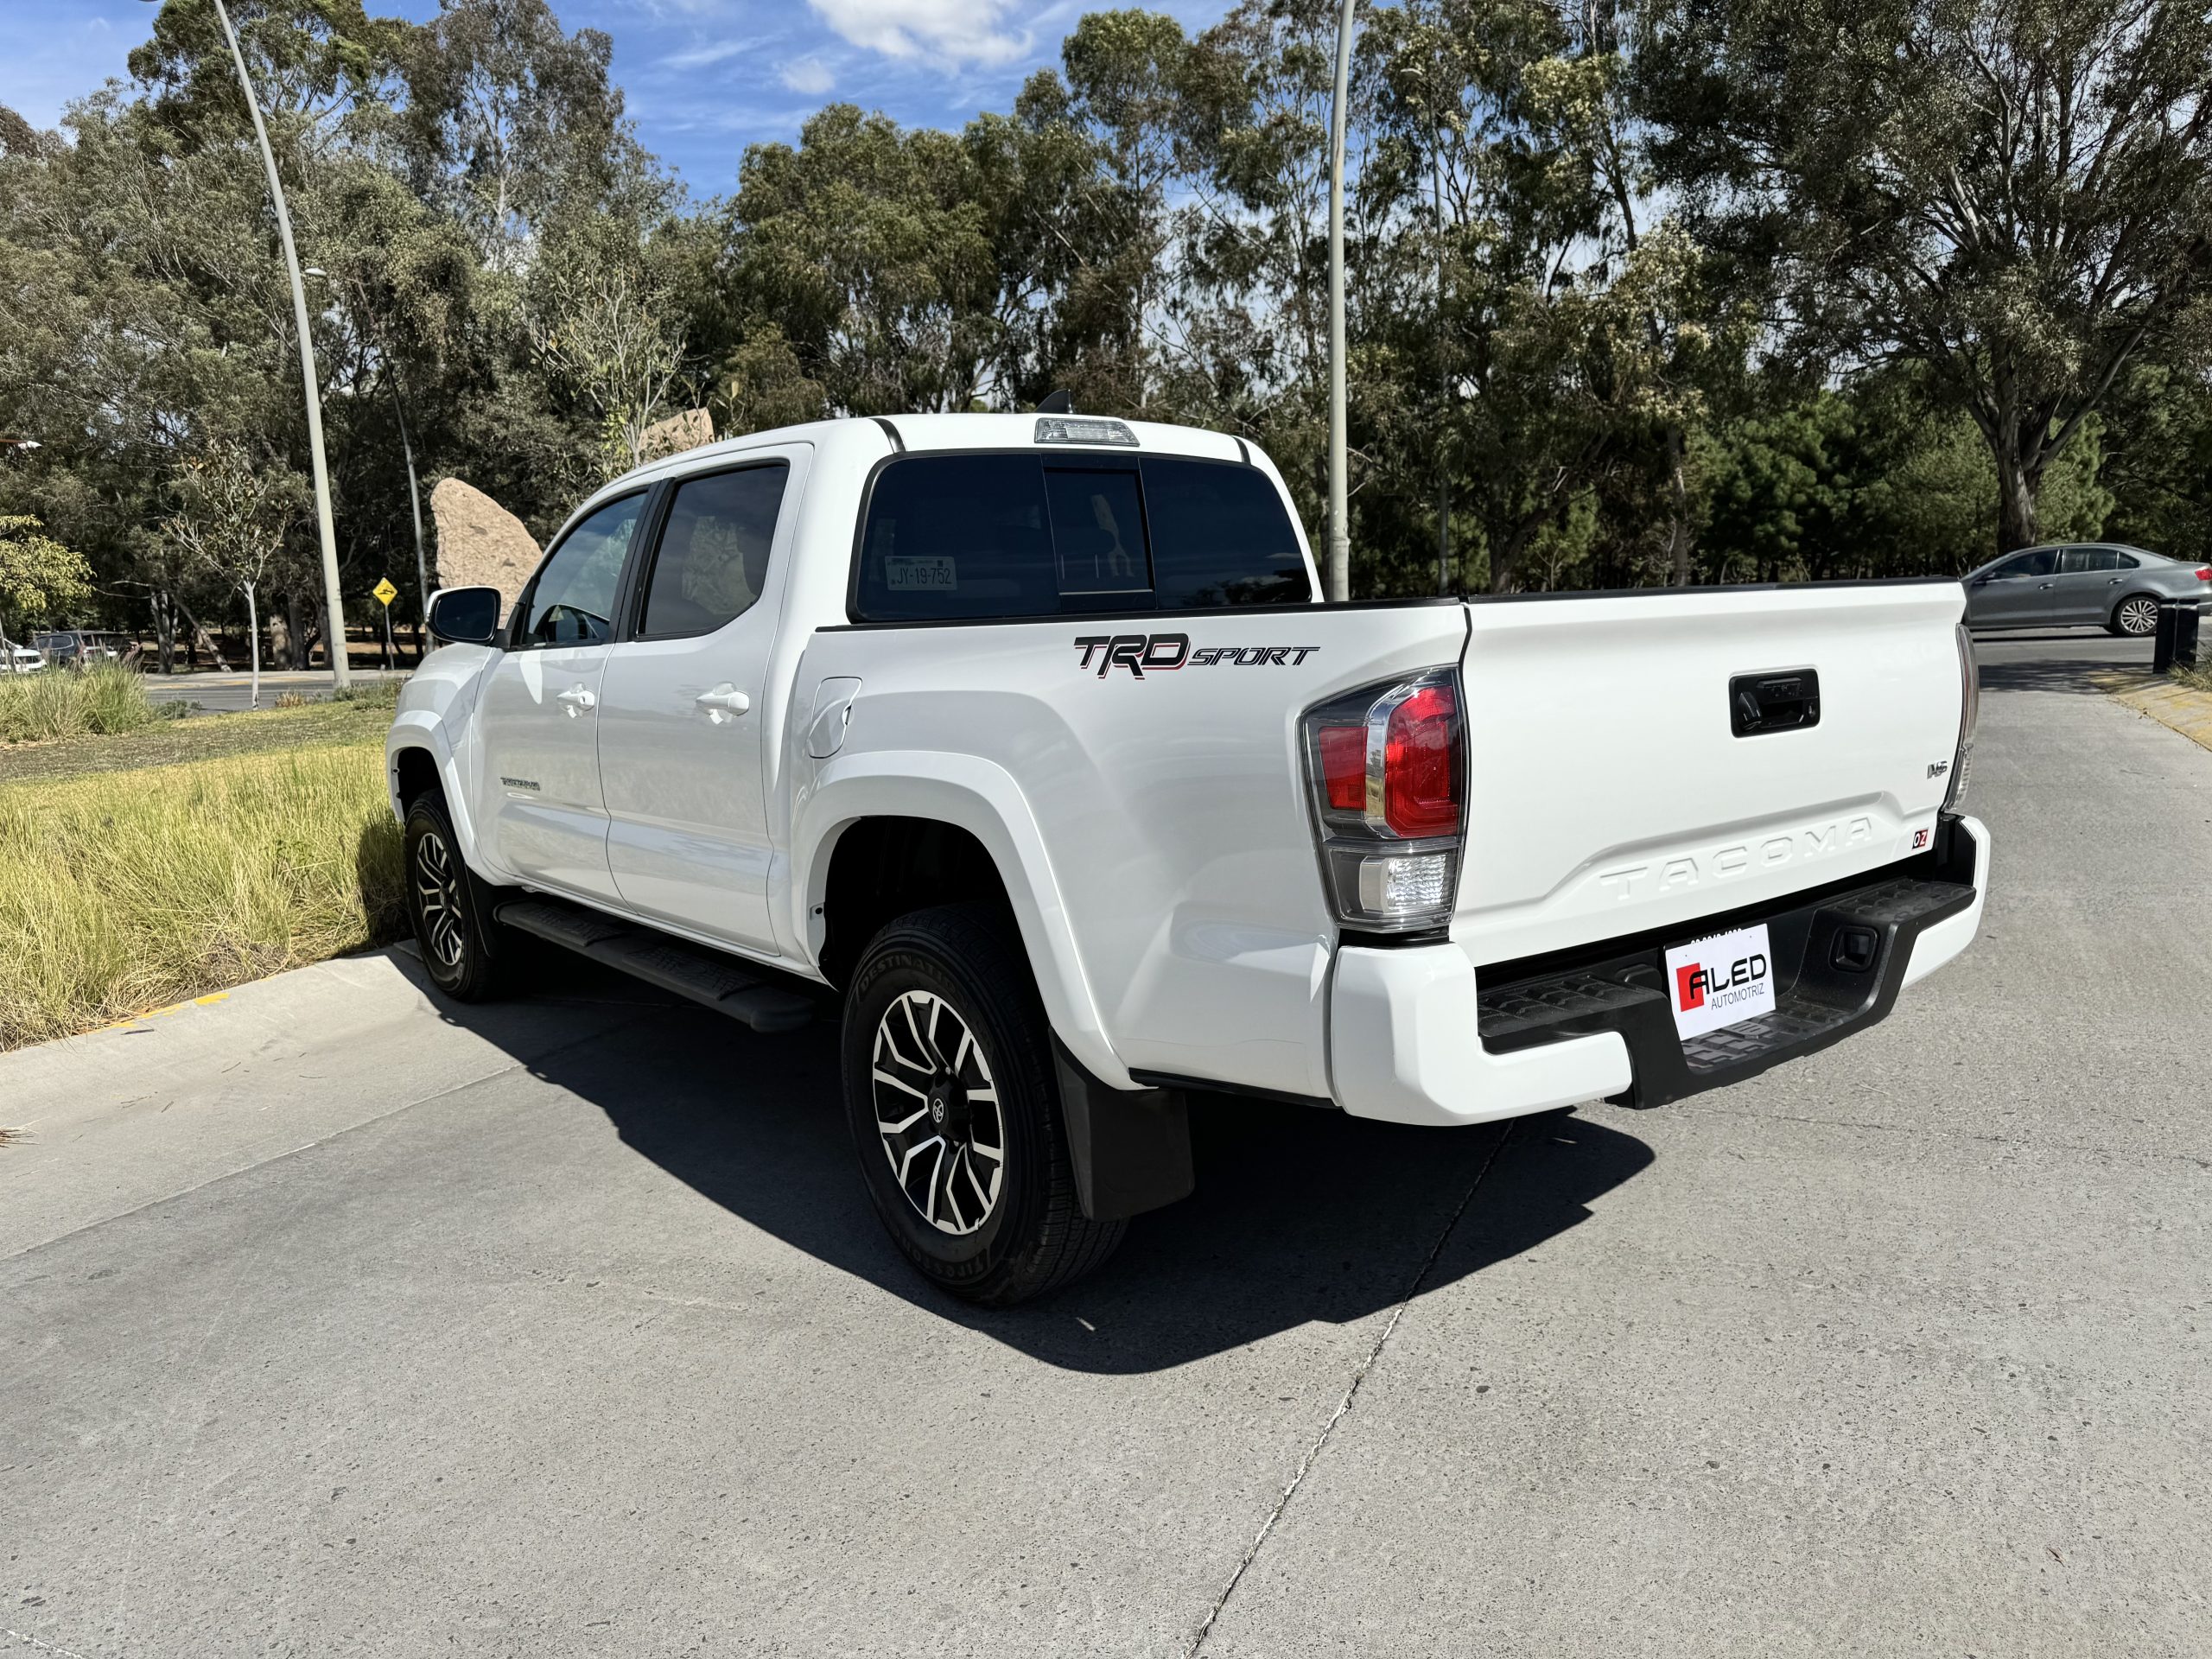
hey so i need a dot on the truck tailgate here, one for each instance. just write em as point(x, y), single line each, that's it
point(1610, 794)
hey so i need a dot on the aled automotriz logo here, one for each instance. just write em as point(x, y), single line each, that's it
point(1694, 980)
point(1160, 653)
point(1720, 980)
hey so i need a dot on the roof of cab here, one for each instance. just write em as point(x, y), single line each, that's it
point(937, 432)
point(890, 434)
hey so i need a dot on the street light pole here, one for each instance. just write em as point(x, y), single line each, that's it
point(414, 500)
point(1340, 494)
point(335, 627)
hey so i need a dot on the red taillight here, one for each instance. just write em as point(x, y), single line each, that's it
point(2204, 573)
point(1418, 793)
point(1343, 766)
point(1388, 782)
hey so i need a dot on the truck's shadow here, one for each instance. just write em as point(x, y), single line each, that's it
point(1300, 1215)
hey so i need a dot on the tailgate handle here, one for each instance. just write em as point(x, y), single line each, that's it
point(1774, 702)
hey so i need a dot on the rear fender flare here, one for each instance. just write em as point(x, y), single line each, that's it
point(974, 795)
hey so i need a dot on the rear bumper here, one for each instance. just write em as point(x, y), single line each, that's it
point(1414, 1037)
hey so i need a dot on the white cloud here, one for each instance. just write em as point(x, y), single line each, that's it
point(808, 76)
point(948, 31)
point(698, 57)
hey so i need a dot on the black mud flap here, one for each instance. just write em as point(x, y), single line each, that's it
point(1131, 1148)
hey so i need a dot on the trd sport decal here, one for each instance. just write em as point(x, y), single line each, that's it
point(1159, 653)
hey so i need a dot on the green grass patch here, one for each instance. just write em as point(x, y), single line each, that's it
point(55, 705)
point(363, 717)
point(122, 891)
point(2196, 680)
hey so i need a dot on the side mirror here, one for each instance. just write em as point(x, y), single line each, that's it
point(465, 616)
point(1981, 580)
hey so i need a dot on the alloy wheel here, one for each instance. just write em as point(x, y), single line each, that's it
point(437, 898)
point(2138, 615)
point(936, 1113)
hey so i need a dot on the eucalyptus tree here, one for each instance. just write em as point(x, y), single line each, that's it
point(2016, 193)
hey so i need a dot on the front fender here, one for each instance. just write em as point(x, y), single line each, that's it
point(982, 798)
point(434, 707)
point(418, 729)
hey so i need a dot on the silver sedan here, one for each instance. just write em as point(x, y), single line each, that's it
point(2081, 583)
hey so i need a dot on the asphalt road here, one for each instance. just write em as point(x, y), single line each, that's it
point(228, 693)
point(338, 1321)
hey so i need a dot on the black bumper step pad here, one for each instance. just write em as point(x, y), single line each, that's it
point(704, 975)
point(1839, 958)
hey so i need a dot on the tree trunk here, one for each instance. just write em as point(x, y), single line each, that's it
point(2017, 486)
point(202, 636)
point(164, 609)
point(296, 628)
point(1678, 518)
point(253, 646)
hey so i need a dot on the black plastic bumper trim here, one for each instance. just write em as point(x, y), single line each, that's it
point(1821, 995)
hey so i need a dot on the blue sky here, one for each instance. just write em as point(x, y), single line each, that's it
point(703, 77)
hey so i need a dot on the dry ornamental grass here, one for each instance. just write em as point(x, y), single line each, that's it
point(127, 891)
point(56, 703)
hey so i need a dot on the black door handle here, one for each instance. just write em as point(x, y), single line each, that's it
point(1785, 702)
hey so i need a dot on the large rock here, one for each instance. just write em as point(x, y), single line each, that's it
point(677, 433)
point(480, 544)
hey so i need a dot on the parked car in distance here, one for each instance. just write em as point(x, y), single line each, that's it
point(22, 659)
point(2078, 583)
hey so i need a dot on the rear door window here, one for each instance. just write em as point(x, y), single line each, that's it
point(713, 560)
point(2082, 561)
point(947, 537)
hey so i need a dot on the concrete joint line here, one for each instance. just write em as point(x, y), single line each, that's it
point(1344, 1404)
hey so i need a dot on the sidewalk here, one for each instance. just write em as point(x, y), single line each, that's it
point(2167, 701)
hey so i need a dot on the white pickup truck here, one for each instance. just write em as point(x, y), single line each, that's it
point(1025, 738)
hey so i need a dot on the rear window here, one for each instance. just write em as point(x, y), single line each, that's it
point(1220, 536)
point(948, 537)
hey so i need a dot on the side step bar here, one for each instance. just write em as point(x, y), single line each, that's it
point(705, 976)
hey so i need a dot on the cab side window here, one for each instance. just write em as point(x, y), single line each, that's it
point(713, 560)
point(2081, 561)
point(2035, 562)
point(572, 601)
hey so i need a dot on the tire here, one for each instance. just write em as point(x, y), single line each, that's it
point(2135, 617)
point(452, 918)
point(993, 1223)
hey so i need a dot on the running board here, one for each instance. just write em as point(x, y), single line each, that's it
point(706, 976)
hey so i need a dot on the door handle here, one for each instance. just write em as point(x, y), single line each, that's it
point(724, 702)
point(2043, 584)
point(578, 699)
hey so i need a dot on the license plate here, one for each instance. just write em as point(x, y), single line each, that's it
point(1720, 980)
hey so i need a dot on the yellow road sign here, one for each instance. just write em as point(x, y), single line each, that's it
point(385, 591)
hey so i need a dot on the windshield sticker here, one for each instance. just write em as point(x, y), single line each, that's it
point(915, 573)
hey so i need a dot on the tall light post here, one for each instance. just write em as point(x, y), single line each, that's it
point(1339, 492)
point(335, 627)
point(407, 449)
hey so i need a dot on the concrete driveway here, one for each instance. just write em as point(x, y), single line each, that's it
point(335, 1320)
